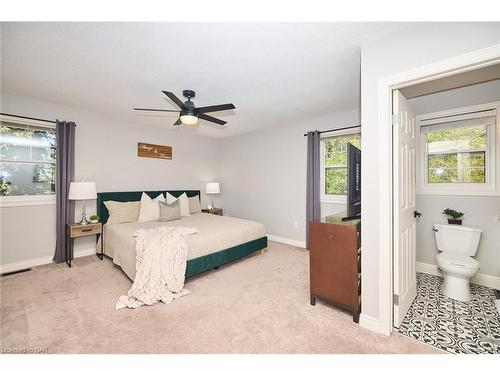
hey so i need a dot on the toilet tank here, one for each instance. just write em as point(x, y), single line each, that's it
point(457, 238)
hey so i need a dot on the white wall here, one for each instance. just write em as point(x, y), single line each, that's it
point(263, 174)
point(485, 92)
point(420, 45)
point(480, 211)
point(106, 152)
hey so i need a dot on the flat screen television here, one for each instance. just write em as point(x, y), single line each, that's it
point(353, 182)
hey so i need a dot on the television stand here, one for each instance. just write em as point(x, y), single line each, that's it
point(348, 218)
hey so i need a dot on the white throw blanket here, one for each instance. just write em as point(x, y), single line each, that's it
point(161, 267)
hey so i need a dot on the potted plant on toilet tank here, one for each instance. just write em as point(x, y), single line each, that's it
point(454, 217)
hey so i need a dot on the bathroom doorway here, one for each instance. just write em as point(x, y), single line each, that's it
point(437, 166)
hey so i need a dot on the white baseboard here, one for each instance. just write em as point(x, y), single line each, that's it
point(286, 241)
point(22, 265)
point(481, 279)
point(369, 322)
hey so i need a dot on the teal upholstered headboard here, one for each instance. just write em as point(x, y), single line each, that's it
point(131, 196)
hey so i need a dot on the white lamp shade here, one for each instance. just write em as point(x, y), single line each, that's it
point(82, 191)
point(212, 188)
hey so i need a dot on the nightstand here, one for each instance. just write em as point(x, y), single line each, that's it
point(215, 211)
point(78, 230)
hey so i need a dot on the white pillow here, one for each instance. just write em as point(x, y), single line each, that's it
point(150, 208)
point(183, 201)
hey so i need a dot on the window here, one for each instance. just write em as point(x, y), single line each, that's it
point(27, 160)
point(458, 153)
point(334, 166)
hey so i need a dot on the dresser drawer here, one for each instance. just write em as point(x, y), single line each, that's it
point(84, 230)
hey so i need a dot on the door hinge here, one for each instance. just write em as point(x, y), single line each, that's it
point(394, 119)
point(395, 298)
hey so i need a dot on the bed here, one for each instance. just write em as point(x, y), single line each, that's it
point(220, 239)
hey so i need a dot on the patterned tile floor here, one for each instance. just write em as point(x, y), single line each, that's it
point(454, 326)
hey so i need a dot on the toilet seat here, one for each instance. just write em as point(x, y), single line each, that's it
point(457, 260)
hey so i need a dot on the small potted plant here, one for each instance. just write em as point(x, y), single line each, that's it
point(94, 219)
point(454, 217)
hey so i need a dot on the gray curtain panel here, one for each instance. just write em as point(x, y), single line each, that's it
point(65, 173)
point(313, 206)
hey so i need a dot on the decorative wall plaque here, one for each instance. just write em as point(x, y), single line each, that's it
point(148, 150)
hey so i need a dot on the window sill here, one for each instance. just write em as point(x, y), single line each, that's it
point(476, 193)
point(335, 200)
point(28, 200)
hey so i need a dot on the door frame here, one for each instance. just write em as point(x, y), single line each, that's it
point(459, 64)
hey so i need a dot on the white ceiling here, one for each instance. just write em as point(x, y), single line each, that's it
point(273, 73)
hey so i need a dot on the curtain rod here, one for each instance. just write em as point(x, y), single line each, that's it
point(333, 130)
point(28, 118)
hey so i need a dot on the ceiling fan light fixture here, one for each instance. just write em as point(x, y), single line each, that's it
point(189, 119)
point(189, 113)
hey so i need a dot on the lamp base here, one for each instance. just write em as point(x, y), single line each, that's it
point(84, 221)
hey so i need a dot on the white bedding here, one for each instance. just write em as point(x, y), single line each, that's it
point(161, 267)
point(215, 233)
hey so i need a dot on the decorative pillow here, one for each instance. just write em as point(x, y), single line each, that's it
point(150, 209)
point(169, 212)
point(183, 202)
point(122, 212)
point(194, 205)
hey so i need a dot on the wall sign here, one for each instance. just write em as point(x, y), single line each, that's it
point(148, 150)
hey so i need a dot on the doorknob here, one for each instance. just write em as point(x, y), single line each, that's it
point(417, 214)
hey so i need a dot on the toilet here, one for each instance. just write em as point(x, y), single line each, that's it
point(457, 244)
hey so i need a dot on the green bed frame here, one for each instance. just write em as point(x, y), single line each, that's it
point(194, 266)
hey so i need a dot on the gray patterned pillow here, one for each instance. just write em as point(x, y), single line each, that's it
point(169, 212)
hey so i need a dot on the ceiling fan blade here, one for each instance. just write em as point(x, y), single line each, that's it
point(178, 122)
point(155, 110)
point(215, 108)
point(211, 119)
point(174, 98)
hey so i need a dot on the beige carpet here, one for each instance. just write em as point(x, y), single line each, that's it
point(257, 305)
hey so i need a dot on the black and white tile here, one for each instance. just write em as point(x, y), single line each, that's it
point(454, 326)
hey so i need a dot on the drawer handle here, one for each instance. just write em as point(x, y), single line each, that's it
point(87, 230)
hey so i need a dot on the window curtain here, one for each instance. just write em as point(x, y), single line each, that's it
point(65, 173)
point(313, 206)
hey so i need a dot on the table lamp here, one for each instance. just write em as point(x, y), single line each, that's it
point(82, 191)
point(212, 188)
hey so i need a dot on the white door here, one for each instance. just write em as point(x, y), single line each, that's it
point(404, 177)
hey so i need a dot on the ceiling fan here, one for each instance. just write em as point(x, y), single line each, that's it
point(188, 113)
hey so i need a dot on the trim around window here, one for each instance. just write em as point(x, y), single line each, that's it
point(27, 200)
point(491, 187)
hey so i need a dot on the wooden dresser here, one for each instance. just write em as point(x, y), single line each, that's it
point(335, 262)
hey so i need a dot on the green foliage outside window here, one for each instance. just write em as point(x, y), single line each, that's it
point(336, 162)
point(457, 155)
point(28, 157)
